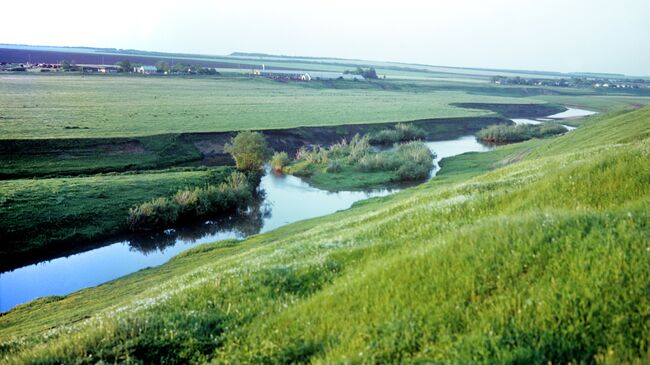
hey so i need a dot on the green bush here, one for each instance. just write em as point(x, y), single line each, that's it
point(412, 171)
point(378, 162)
point(402, 132)
point(501, 133)
point(230, 195)
point(249, 150)
point(316, 154)
point(279, 161)
point(156, 213)
point(359, 147)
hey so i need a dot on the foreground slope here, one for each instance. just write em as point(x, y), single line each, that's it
point(544, 258)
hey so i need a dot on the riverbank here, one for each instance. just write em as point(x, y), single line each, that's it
point(74, 214)
point(499, 261)
point(28, 158)
point(47, 218)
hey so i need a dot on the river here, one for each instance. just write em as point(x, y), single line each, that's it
point(284, 202)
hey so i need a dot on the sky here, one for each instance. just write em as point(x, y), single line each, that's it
point(550, 35)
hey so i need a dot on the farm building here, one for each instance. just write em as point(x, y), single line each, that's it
point(108, 69)
point(145, 70)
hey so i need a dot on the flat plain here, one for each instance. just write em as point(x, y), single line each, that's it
point(73, 106)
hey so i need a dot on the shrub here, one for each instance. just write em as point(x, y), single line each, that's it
point(417, 152)
point(279, 161)
point(186, 200)
point(359, 147)
point(378, 162)
point(156, 213)
point(231, 194)
point(249, 150)
point(402, 132)
point(316, 154)
point(413, 171)
point(516, 133)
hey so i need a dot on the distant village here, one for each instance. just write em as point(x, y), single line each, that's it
point(121, 67)
point(164, 68)
point(576, 82)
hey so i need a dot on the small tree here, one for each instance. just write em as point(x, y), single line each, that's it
point(65, 65)
point(125, 66)
point(162, 66)
point(279, 161)
point(249, 151)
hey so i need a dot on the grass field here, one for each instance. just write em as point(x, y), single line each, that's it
point(534, 253)
point(72, 106)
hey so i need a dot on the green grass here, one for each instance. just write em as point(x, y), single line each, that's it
point(71, 106)
point(536, 252)
point(601, 103)
point(56, 214)
point(349, 178)
point(62, 157)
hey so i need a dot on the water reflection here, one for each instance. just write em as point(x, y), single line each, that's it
point(240, 225)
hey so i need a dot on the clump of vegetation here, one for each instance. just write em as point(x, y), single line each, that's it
point(369, 73)
point(249, 150)
point(353, 165)
point(161, 212)
point(315, 154)
point(356, 149)
point(416, 161)
point(279, 161)
point(402, 132)
point(158, 212)
point(500, 133)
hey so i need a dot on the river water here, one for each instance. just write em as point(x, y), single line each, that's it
point(285, 199)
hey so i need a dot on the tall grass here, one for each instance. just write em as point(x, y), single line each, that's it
point(230, 195)
point(402, 132)
point(521, 132)
point(279, 161)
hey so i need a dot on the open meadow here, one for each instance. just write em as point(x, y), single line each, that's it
point(73, 106)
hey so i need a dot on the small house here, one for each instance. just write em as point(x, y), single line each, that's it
point(145, 70)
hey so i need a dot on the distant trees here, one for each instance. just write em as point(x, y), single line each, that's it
point(369, 73)
point(249, 150)
point(125, 66)
point(65, 65)
point(184, 68)
point(162, 66)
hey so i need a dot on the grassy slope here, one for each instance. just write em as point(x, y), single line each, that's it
point(58, 106)
point(64, 157)
point(37, 212)
point(543, 259)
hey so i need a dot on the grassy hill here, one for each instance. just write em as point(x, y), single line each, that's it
point(537, 252)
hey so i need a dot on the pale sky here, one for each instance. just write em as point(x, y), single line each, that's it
point(552, 35)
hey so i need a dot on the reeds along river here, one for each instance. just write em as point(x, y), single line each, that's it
point(284, 200)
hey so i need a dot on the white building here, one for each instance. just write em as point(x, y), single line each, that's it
point(145, 70)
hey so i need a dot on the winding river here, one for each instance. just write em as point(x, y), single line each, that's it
point(283, 202)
